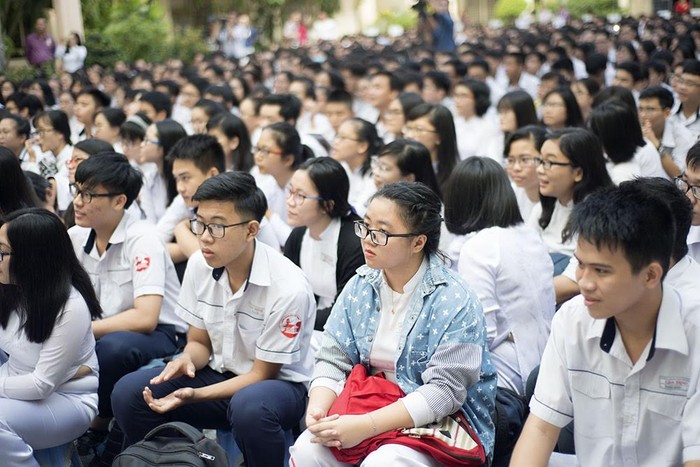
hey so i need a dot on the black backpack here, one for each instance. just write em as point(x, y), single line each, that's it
point(175, 444)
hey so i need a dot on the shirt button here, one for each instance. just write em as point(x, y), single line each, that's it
point(370, 338)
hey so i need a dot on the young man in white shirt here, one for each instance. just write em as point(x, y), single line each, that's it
point(689, 183)
point(622, 359)
point(132, 273)
point(251, 313)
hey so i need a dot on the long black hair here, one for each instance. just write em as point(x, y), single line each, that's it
point(233, 127)
point(15, 191)
point(43, 269)
point(332, 184)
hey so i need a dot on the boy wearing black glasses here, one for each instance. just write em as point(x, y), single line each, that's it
point(251, 313)
point(133, 276)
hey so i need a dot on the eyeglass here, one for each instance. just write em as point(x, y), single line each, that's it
point(87, 196)
point(685, 187)
point(378, 236)
point(215, 230)
point(342, 138)
point(524, 161)
point(299, 198)
point(417, 129)
point(553, 105)
point(3, 254)
point(548, 164)
point(264, 152)
point(43, 132)
point(379, 166)
point(685, 82)
point(154, 142)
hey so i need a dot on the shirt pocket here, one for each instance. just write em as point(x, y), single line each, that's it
point(593, 408)
point(117, 291)
point(665, 408)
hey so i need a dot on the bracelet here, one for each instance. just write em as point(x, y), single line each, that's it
point(374, 425)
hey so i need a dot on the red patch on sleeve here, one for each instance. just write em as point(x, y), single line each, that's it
point(142, 263)
point(290, 325)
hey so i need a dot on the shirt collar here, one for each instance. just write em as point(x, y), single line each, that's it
point(669, 332)
point(259, 273)
point(118, 236)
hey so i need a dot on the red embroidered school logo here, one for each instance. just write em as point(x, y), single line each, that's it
point(290, 326)
point(142, 263)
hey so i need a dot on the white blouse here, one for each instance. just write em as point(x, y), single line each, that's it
point(318, 260)
point(552, 234)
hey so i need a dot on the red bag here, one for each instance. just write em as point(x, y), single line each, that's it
point(452, 441)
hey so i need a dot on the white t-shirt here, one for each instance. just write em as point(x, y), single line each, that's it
point(476, 137)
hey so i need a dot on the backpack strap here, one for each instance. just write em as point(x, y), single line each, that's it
point(186, 430)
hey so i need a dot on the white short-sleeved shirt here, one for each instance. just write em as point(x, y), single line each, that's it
point(692, 123)
point(153, 197)
point(270, 318)
point(318, 260)
point(511, 272)
point(649, 161)
point(475, 138)
point(623, 171)
point(552, 234)
point(362, 187)
point(525, 204)
point(626, 414)
point(135, 263)
point(677, 139)
point(174, 214)
point(694, 243)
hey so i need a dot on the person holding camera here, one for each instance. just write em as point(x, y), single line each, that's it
point(435, 24)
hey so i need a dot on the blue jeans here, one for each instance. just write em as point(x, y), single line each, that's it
point(119, 353)
point(258, 414)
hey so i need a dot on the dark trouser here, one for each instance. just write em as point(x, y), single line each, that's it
point(258, 414)
point(119, 353)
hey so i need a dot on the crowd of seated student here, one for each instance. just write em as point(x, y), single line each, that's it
point(175, 174)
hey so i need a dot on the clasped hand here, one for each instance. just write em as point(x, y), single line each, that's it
point(179, 367)
point(339, 431)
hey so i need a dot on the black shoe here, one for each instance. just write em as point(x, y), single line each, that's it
point(89, 441)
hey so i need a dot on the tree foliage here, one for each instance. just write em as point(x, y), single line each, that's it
point(508, 10)
point(593, 7)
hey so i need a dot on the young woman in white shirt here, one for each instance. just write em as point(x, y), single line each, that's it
point(521, 152)
point(158, 183)
point(48, 366)
point(506, 263)
point(106, 125)
point(354, 145)
point(570, 168)
point(233, 136)
point(476, 134)
point(404, 160)
point(279, 153)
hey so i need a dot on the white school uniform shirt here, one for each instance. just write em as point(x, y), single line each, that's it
point(135, 263)
point(36, 370)
point(677, 139)
point(511, 272)
point(270, 317)
point(622, 410)
point(277, 202)
point(318, 260)
point(153, 197)
point(694, 242)
point(552, 234)
point(692, 123)
point(475, 137)
point(623, 171)
point(649, 161)
point(362, 187)
point(525, 204)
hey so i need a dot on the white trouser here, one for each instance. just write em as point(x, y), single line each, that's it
point(304, 453)
point(56, 420)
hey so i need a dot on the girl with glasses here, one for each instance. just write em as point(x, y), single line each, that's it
point(404, 160)
point(48, 366)
point(570, 168)
point(159, 188)
point(278, 154)
point(521, 152)
point(354, 145)
point(404, 314)
point(323, 242)
point(560, 109)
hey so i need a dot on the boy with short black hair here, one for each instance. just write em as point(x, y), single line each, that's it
point(251, 313)
point(689, 183)
point(622, 358)
point(133, 276)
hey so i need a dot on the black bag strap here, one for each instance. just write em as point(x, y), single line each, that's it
point(186, 430)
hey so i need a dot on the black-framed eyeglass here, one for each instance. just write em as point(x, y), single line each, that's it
point(378, 236)
point(549, 164)
point(87, 196)
point(3, 254)
point(684, 186)
point(215, 230)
